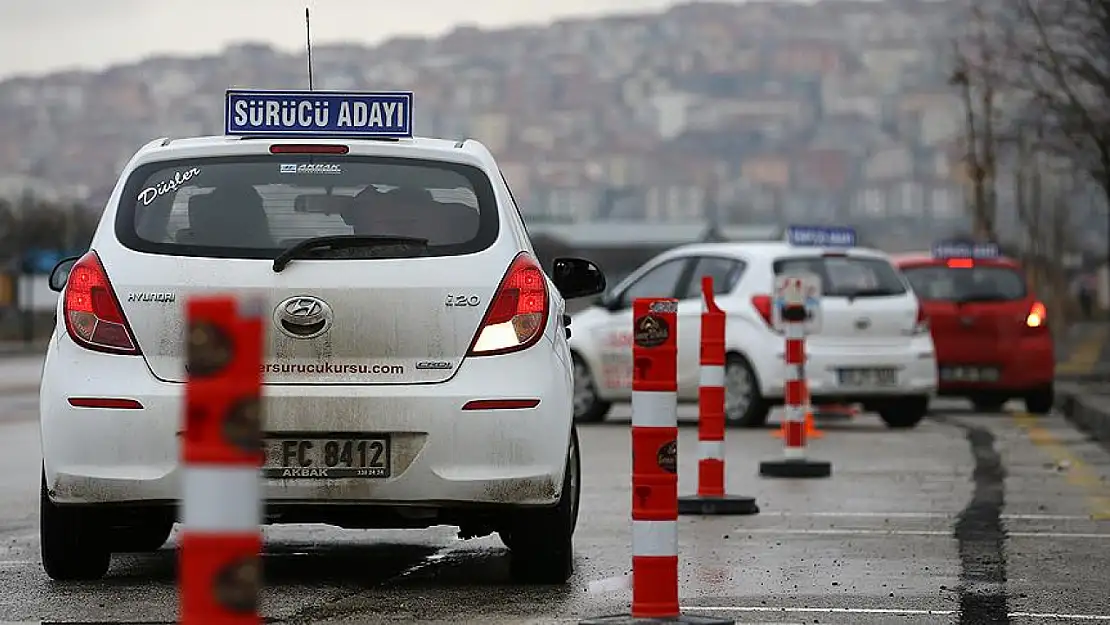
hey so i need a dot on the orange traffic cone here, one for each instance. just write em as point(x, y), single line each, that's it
point(810, 427)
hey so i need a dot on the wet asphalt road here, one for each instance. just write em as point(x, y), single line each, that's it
point(967, 519)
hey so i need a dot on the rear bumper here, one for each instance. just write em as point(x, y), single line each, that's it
point(440, 454)
point(914, 361)
point(1028, 365)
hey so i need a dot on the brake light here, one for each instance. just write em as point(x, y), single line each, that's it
point(762, 305)
point(1037, 317)
point(518, 313)
point(93, 316)
point(961, 263)
point(309, 149)
point(921, 324)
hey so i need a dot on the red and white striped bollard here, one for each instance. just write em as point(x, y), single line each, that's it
point(219, 565)
point(795, 464)
point(711, 498)
point(655, 468)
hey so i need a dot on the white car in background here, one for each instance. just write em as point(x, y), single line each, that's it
point(416, 364)
point(873, 347)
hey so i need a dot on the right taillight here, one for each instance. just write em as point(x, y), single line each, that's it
point(1037, 317)
point(762, 305)
point(518, 313)
point(921, 324)
point(93, 316)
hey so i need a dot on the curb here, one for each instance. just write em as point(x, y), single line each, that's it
point(1084, 411)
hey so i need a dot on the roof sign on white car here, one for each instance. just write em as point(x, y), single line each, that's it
point(319, 114)
point(820, 236)
point(962, 249)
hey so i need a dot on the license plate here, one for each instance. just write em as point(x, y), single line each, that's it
point(969, 374)
point(868, 377)
point(327, 458)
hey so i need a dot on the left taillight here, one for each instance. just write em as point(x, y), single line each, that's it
point(1037, 317)
point(93, 316)
point(518, 313)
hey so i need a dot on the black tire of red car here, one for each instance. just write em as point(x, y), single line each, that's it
point(988, 404)
point(754, 415)
point(904, 412)
point(72, 543)
point(541, 541)
point(588, 407)
point(1040, 402)
point(141, 539)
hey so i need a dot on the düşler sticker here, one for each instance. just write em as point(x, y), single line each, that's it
point(667, 457)
point(149, 194)
point(651, 331)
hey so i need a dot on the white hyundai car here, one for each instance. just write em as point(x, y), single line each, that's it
point(416, 363)
point(873, 346)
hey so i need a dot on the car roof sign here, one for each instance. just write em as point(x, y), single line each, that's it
point(964, 249)
point(821, 236)
point(318, 114)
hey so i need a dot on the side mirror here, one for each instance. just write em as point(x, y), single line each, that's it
point(60, 274)
point(577, 277)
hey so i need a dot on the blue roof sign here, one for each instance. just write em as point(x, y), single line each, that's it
point(961, 249)
point(818, 236)
point(339, 114)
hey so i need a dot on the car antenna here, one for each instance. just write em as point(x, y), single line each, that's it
point(308, 44)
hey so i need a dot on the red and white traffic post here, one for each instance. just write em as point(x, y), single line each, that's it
point(796, 313)
point(219, 564)
point(711, 498)
point(655, 468)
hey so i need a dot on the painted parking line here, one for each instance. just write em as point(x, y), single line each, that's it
point(1079, 474)
point(883, 532)
point(888, 612)
point(942, 516)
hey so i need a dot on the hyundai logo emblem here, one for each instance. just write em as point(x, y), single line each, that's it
point(863, 323)
point(303, 317)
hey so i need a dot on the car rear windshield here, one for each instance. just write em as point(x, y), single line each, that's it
point(977, 283)
point(254, 207)
point(847, 276)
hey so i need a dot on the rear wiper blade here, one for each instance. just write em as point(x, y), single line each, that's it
point(851, 295)
point(341, 241)
point(985, 297)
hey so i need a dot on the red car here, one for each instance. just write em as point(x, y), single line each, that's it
point(990, 333)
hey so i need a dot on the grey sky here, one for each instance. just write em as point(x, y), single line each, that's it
point(47, 35)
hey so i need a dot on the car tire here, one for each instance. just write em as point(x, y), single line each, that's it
point(588, 406)
point(988, 404)
point(1040, 402)
point(141, 539)
point(541, 541)
point(904, 413)
point(72, 543)
point(740, 379)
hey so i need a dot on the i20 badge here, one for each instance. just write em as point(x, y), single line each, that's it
point(303, 317)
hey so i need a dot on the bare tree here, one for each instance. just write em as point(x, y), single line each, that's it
point(1060, 70)
point(975, 76)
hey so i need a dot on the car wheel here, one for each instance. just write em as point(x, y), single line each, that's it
point(988, 404)
point(1040, 402)
point(141, 539)
point(541, 541)
point(72, 544)
point(744, 404)
point(904, 412)
point(588, 406)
